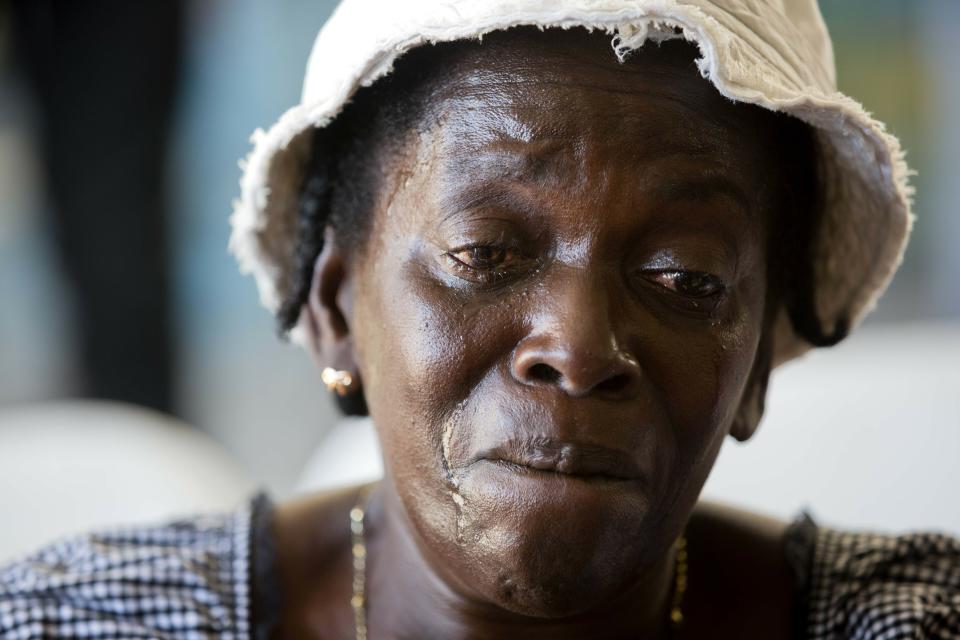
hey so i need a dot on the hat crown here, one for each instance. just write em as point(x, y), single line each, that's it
point(778, 46)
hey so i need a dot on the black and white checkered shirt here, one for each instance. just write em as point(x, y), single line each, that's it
point(873, 587)
point(211, 577)
point(187, 579)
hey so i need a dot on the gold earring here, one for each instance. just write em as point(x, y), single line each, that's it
point(336, 380)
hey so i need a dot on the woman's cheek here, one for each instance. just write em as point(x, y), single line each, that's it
point(699, 374)
point(737, 341)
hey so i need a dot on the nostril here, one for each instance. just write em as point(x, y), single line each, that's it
point(544, 373)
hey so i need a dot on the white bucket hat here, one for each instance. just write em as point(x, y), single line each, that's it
point(773, 53)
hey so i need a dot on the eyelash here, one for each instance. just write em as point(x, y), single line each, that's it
point(481, 274)
point(718, 286)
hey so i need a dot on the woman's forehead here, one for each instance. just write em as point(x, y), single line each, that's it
point(573, 72)
point(504, 126)
point(513, 110)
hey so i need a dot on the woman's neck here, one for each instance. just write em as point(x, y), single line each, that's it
point(740, 583)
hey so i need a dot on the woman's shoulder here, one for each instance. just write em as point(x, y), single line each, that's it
point(186, 578)
point(872, 586)
point(835, 584)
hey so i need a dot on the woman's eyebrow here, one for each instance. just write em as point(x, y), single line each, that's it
point(500, 194)
point(501, 191)
point(701, 189)
point(491, 176)
point(514, 159)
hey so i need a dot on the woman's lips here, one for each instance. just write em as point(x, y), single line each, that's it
point(587, 460)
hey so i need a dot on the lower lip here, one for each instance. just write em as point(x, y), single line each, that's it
point(497, 475)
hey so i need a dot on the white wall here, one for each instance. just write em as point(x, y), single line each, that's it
point(866, 434)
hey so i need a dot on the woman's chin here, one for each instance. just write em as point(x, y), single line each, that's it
point(536, 581)
point(552, 545)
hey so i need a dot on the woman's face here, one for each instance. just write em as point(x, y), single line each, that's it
point(560, 311)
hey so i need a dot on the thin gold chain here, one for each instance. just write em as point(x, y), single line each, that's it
point(679, 583)
point(359, 600)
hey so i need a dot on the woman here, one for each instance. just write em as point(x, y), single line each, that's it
point(557, 275)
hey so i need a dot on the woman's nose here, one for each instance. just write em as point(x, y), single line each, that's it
point(573, 345)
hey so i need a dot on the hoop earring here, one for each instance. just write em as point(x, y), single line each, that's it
point(337, 380)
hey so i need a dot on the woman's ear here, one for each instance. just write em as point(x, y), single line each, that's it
point(327, 309)
point(752, 404)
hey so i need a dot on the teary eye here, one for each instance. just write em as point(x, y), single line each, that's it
point(692, 284)
point(482, 257)
point(485, 263)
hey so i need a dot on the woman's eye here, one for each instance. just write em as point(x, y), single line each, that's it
point(481, 257)
point(484, 263)
point(691, 284)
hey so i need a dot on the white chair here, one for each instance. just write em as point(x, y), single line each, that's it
point(75, 466)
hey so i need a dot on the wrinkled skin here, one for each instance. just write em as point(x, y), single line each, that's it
point(560, 314)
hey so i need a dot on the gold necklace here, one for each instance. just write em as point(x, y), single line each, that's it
point(359, 600)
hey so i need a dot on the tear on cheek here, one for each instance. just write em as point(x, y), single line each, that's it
point(733, 330)
point(453, 484)
point(732, 337)
point(458, 505)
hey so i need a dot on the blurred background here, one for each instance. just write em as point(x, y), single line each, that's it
point(120, 129)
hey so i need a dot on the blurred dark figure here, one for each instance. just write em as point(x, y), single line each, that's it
point(104, 74)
